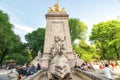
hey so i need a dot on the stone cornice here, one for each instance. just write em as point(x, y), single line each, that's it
point(57, 14)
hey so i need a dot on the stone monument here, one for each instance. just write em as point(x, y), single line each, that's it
point(57, 26)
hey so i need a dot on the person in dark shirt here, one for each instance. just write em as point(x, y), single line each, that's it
point(21, 72)
point(38, 66)
point(32, 69)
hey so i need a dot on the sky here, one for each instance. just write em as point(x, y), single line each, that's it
point(29, 15)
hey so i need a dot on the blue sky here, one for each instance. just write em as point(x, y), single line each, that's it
point(29, 15)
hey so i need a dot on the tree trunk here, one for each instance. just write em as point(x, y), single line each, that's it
point(3, 55)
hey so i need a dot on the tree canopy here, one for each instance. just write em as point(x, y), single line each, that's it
point(6, 35)
point(85, 51)
point(78, 29)
point(11, 46)
point(35, 40)
point(106, 37)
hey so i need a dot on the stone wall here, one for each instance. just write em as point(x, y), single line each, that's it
point(93, 75)
point(40, 75)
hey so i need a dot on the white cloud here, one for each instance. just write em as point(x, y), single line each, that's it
point(22, 27)
point(22, 30)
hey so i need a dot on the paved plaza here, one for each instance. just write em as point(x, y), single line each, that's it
point(3, 74)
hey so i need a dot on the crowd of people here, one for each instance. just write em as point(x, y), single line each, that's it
point(21, 70)
point(107, 68)
point(27, 70)
point(85, 66)
point(9, 65)
point(111, 64)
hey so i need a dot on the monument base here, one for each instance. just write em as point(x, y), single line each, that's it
point(44, 61)
point(71, 59)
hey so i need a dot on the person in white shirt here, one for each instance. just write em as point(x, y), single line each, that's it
point(107, 72)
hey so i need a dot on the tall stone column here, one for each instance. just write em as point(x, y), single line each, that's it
point(56, 25)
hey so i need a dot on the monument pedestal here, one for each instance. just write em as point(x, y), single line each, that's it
point(44, 61)
point(71, 59)
point(57, 25)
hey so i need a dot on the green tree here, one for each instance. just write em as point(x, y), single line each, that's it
point(86, 52)
point(35, 40)
point(106, 36)
point(78, 32)
point(22, 56)
point(78, 29)
point(6, 35)
point(11, 46)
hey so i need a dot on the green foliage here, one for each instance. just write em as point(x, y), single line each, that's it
point(86, 52)
point(35, 40)
point(6, 36)
point(10, 45)
point(106, 37)
point(111, 56)
point(86, 57)
point(77, 29)
point(20, 59)
point(22, 56)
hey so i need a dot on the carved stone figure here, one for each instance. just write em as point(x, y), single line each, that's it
point(53, 52)
point(58, 43)
point(56, 7)
point(58, 47)
point(39, 55)
point(59, 65)
point(50, 9)
point(63, 10)
point(62, 50)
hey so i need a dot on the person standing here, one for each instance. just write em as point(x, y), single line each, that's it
point(107, 72)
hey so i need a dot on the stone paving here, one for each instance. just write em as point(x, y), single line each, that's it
point(3, 74)
point(4, 77)
point(2, 71)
